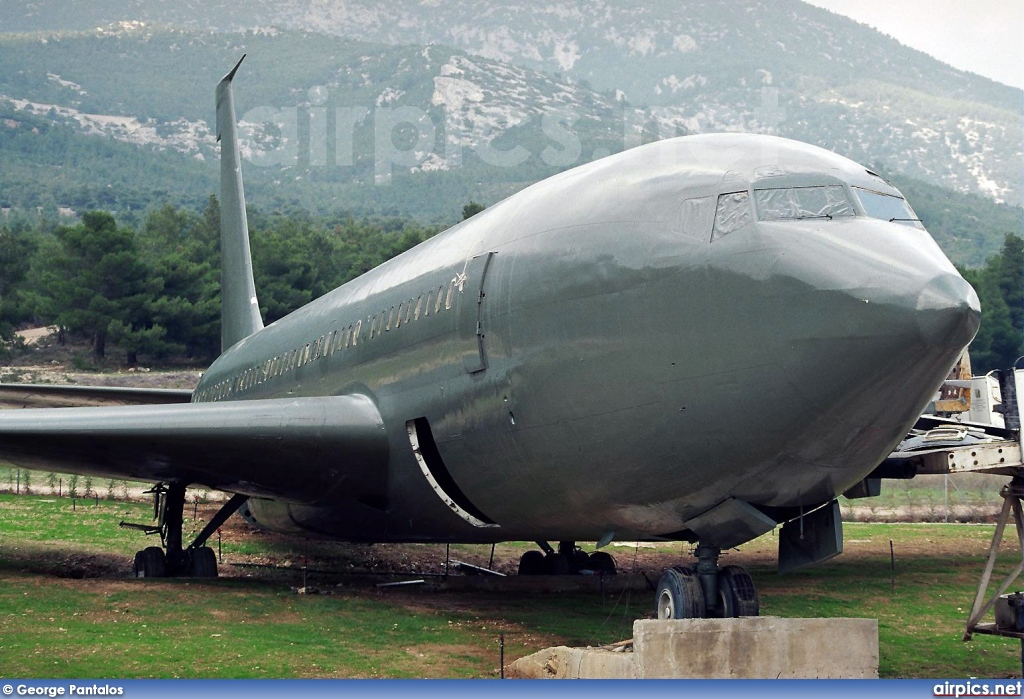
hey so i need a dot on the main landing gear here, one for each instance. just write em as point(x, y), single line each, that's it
point(195, 561)
point(568, 560)
point(707, 591)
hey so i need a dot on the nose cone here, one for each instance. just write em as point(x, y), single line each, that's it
point(948, 312)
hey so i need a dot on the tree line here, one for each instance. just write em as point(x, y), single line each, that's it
point(154, 291)
point(1000, 287)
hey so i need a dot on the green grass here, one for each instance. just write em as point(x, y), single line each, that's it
point(57, 619)
point(921, 604)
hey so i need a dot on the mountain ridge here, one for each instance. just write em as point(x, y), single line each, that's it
point(151, 85)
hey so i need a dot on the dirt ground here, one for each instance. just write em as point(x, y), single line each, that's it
point(286, 556)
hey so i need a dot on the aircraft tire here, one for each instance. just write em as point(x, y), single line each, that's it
point(532, 563)
point(601, 562)
point(151, 563)
point(739, 595)
point(679, 595)
point(203, 563)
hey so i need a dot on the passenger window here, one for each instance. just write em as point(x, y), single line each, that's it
point(355, 333)
point(419, 305)
point(391, 320)
point(440, 298)
point(451, 293)
point(373, 326)
point(430, 300)
point(408, 311)
point(398, 320)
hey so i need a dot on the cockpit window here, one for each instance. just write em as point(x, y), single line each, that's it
point(733, 213)
point(887, 207)
point(789, 203)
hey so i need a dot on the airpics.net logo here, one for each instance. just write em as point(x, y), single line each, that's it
point(978, 689)
point(408, 138)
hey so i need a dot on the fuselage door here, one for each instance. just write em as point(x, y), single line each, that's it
point(471, 318)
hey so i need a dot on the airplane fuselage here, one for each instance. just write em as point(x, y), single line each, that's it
point(620, 349)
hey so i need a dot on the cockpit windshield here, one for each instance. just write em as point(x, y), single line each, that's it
point(788, 203)
point(887, 207)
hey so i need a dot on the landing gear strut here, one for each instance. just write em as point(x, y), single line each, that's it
point(173, 560)
point(707, 591)
point(570, 559)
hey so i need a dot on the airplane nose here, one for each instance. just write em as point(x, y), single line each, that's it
point(948, 312)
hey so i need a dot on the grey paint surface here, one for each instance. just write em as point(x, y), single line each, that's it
point(597, 364)
point(238, 292)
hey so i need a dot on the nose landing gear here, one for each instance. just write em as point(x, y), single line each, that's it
point(707, 591)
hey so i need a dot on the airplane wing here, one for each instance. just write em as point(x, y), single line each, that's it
point(303, 450)
point(67, 395)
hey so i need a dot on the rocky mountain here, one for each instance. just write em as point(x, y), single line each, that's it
point(479, 99)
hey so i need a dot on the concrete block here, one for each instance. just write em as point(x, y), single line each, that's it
point(756, 648)
point(563, 663)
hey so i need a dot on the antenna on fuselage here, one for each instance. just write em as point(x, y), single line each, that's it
point(240, 313)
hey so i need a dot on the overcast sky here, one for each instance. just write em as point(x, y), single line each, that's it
point(984, 36)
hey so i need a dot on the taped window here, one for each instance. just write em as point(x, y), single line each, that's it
point(794, 203)
point(698, 216)
point(733, 213)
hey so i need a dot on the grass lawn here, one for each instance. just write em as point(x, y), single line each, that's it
point(68, 610)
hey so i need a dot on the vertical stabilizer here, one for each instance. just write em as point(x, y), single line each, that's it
point(240, 314)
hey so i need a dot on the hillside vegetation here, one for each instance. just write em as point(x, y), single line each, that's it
point(120, 118)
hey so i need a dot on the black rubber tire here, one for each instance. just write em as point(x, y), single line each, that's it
point(151, 563)
point(726, 608)
point(602, 562)
point(532, 563)
point(738, 592)
point(679, 595)
point(203, 563)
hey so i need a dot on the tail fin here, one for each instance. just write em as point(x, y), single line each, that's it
point(240, 313)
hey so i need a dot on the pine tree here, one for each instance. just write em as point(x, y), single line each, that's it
point(1000, 287)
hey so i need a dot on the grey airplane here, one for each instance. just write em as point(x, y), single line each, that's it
point(699, 339)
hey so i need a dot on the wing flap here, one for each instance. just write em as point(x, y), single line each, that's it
point(303, 450)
